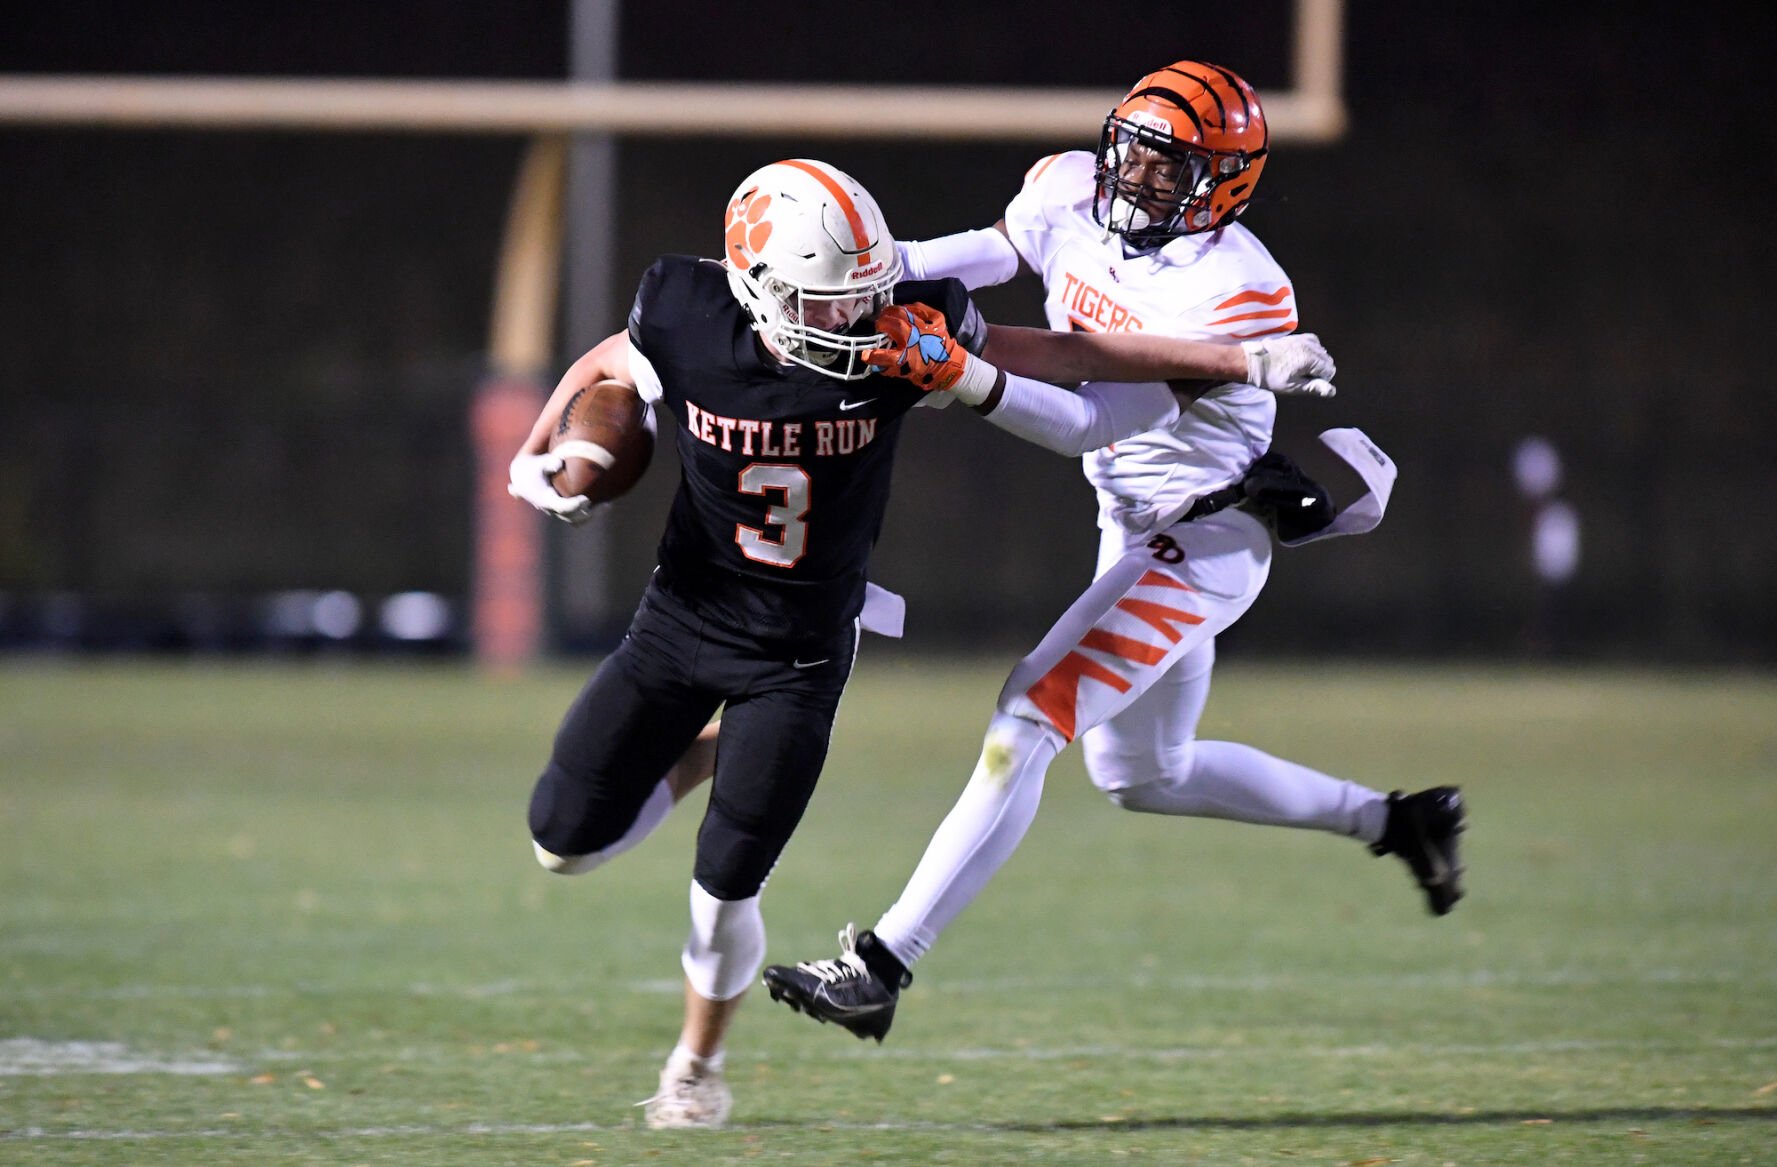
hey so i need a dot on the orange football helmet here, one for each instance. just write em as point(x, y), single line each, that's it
point(1180, 154)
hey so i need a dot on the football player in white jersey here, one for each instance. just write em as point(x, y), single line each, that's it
point(785, 454)
point(1142, 238)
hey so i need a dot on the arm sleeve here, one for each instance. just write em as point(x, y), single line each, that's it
point(978, 258)
point(969, 327)
point(1074, 423)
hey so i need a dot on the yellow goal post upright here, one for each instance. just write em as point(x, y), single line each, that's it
point(508, 595)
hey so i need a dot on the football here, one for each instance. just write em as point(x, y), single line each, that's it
point(606, 435)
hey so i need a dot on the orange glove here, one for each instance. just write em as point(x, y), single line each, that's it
point(921, 349)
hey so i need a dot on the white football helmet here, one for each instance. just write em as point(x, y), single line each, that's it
point(811, 262)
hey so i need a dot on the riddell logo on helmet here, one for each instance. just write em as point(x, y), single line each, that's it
point(865, 273)
point(1149, 120)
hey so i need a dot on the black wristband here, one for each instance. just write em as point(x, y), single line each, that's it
point(992, 400)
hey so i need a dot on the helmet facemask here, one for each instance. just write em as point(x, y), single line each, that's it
point(1152, 187)
point(826, 329)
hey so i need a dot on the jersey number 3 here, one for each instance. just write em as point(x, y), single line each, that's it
point(791, 485)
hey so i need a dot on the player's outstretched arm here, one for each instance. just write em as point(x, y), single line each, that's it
point(528, 476)
point(921, 349)
point(978, 258)
point(1297, 364)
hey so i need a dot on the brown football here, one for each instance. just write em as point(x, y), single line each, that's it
point(609, 414)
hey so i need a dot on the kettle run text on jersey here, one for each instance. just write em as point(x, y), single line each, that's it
point(779, 439)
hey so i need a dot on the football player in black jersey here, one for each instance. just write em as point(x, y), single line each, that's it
point(767, 361)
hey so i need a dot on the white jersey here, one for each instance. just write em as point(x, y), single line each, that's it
point(1217, 286)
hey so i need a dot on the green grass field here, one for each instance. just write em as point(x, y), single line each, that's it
point(280, 915)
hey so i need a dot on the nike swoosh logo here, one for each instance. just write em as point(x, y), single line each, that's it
point(809, 664)
point(855, 404)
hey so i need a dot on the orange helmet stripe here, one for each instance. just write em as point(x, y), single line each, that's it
point(1171, 97)
point(846, 206)
point(1210, 89)
point(1214, 81)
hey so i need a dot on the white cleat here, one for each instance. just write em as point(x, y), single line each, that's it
point(692, 1096)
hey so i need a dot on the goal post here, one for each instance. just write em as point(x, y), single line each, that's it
point(686, 109)
point(507, 583)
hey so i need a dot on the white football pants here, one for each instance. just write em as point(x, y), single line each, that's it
point(1126, 669)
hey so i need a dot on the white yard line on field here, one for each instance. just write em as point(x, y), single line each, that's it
point(1367, 1050)
point(423, 1131)
point(31, 1133)
point(28, 1056)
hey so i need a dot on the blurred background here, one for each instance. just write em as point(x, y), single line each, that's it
point(237, 368)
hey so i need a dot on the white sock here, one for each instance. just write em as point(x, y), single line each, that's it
point(1233, 781)
point(684, 1055)
point(976, 838)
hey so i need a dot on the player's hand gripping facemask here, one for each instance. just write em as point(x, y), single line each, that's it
point(812, 262)
point(918, 346)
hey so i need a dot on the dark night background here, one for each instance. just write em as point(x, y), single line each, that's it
point(234, 363)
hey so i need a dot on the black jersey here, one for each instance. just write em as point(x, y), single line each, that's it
point(784, 471)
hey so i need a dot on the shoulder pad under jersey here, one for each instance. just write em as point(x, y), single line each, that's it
point(673, 289)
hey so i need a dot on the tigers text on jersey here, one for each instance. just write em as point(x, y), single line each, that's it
point(784, 471)
point(1217, 286)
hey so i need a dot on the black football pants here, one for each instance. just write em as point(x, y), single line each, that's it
point(646, 704)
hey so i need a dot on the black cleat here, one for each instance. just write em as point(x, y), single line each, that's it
point(844, 990)
point(1422, 830)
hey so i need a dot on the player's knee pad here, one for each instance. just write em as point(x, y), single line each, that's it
point(1123, 774)
point(565, 816)
point(1011, 745)
point(1167, 791)
point(1149, 797)
point(554, 843)
point(735, 854)
point(726, 947)
point(1155, 789)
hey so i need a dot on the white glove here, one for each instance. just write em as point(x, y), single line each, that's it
point(529, 480)
point(1297, 365)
